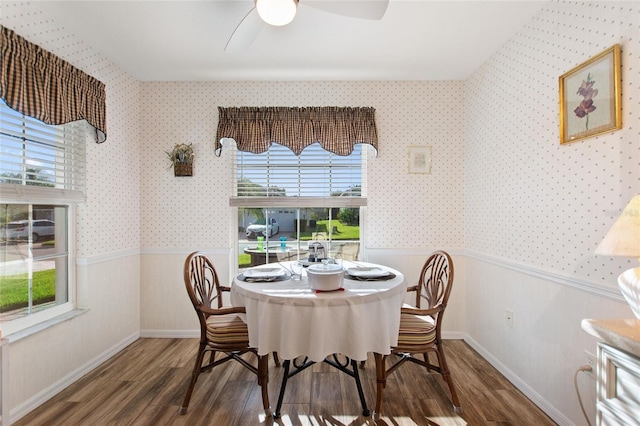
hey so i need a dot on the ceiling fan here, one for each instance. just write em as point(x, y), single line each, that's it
point(282, 12)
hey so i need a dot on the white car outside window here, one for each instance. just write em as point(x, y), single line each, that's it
point(259, 229)
point(19, 230)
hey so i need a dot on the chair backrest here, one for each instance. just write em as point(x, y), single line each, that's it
point(203, 285)
point(435, 281)
point(349, 251)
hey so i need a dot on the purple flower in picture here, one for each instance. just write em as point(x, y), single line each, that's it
point(586, 106)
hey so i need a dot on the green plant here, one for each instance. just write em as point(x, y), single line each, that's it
point(181, 153)
point(349, 216)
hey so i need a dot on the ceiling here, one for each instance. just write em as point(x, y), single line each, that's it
point(185, 40)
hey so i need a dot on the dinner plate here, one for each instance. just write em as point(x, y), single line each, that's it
point(367, 272)
point(264, 272)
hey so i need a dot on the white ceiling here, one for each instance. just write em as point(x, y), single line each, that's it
point(185, 40)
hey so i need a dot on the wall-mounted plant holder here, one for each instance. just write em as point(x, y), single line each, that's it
point(183, 169)
point(181, 157)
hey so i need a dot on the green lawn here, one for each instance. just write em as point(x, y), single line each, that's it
point(341, 232)
point(244, 260)
point(14, 290)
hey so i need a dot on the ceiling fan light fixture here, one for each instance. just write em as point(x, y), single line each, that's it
point(277, 12)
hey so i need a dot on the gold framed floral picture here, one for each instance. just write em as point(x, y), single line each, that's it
point(590, 97)
point(420, 159)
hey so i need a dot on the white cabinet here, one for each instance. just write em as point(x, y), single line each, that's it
point(618, 387)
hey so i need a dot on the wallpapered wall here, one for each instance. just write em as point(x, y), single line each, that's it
point(109, 221)
point(528, 198)
point(404, 210)
point(107, 266)
point(535, 210)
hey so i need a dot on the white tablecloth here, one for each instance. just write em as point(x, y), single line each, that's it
point(289, 318)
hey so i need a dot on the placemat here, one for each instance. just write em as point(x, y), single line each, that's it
point(382, 278)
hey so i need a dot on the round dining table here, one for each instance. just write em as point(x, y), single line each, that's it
point(288, 317)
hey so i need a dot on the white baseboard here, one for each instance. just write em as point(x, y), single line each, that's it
point(43, 396)
point(170, 334)
point(535, 397)
point(454, 335)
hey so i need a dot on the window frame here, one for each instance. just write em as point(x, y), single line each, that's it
point(31, 320)
point(59, 195)
point(294, 202)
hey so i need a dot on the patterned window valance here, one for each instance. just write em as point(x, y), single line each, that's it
point(337, 129)
point(39, 84)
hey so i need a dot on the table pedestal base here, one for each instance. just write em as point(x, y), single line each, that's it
point(344, 367)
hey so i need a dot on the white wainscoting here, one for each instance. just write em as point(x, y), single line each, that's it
point(109, 291)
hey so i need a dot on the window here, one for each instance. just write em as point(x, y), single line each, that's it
point(46, 160)
point(42, 175)
point(278, 172)
point(285, 201)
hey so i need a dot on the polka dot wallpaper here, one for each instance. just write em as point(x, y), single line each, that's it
point(109, 222)
point(501, 184)
point(529, 199)
point(404, 210)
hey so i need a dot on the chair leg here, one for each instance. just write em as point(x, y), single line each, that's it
point(425, 356)
point(263, 381)
point(381, 379)
point(194, 378)
point(446, 375)
point(276, 359)
point(212, 358)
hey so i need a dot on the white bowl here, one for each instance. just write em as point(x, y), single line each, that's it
point(325, 277)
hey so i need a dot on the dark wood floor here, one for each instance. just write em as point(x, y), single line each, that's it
point(145, 383)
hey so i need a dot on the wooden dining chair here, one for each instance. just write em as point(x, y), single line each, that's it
point(221, 329)
point(348, 251)
point(421, 327)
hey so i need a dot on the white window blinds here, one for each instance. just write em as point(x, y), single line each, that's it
point(41, 162)
point(315, 178)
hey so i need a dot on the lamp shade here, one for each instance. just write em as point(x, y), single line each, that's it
point(623, 239)
point(277, 12)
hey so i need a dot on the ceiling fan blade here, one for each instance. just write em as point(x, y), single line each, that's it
point(364, 9)
point(245, 32)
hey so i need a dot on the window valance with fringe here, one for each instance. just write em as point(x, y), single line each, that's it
point(337, 129)
point(37, 83)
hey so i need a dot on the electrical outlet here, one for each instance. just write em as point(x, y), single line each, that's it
point(508, 317)
point(591, 362)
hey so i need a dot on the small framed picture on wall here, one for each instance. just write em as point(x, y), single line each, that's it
point(419, 160)
point(590, 97)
